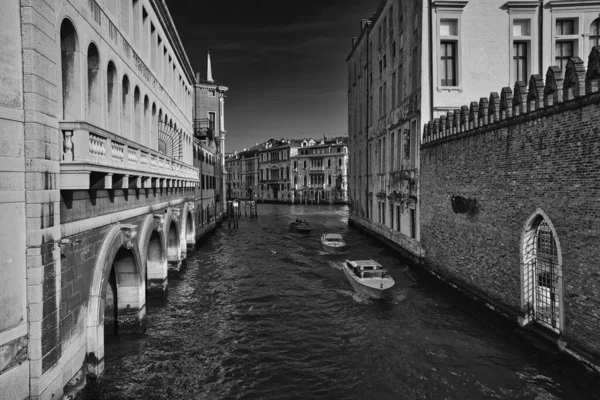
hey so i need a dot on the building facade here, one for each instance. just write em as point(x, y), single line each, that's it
point(99, 185)
point(209, 142)
point(508, 197)
point(242, 174)
point(320, 172)
point(274, 170)
point(415, 61)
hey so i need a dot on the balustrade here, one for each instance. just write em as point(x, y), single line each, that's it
point(87, 148)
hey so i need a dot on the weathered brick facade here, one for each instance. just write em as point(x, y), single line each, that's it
point(534, 152)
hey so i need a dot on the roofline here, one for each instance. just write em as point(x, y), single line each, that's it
point(162, 11)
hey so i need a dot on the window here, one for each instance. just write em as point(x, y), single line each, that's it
point(393, 90)
point(413, 223)
point(520, 61)
point(448, 63)
point(566, 42)
point(384, 97)
point(595, 33)
point(448, 68)
point(380, 101)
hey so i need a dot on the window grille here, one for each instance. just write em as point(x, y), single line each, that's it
point(541, 277)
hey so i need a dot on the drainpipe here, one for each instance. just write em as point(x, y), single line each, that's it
point(368, 115)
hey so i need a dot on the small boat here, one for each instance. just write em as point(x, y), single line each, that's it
point(301, 226)
point(369, 277)
point(332, 242)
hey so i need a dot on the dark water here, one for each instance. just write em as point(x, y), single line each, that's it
point(263, 313)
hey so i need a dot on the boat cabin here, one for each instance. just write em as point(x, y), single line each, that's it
point(367, 269)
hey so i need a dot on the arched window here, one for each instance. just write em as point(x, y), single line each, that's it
point(329, 180)
point(329, 163)
point(137, 116)
point(94, 91)
point(339, 162)
point(304, 164)
point(146, 123)
point(304, 180)
point(154, 135)
point(125, 108)
point(111, 97)
point(71, 90)
point(595, 33)
point(542, 273)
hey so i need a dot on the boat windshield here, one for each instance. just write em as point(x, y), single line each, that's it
point(333, 239)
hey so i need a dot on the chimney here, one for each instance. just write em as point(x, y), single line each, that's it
point(208, 68)
point(363, 23)
point(354, 39)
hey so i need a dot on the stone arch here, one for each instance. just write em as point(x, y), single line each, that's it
point(70, 71)
point(118, 260)
point(125, 107)
point(112, 103)
point(172, 231)
point(187, 237)
point(541, 273)
point(154, 255)
point(94, 87)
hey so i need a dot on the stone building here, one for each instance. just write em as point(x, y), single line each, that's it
point(242, 174)
point(320, 170)
point(99, 186)
point(417, 60)
point(274, 170)
point(509, 205)
point(209, 142)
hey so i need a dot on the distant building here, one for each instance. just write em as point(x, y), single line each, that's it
point(320, 172)
point(242, 174)
point(274, 169)
point(209, 142)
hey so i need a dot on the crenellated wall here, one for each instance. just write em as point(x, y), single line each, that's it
point(526, 155)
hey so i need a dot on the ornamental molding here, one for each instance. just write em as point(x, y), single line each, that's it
point(128, 233)
point(176, 213)
point(159, 222)
point(449, 4)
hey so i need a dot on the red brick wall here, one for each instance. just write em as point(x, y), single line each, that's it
point(549, 159)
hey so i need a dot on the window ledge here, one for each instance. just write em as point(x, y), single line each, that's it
point(458, 89)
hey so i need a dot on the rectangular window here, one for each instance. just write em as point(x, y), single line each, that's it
point(416, 78)
point(380, 101)
point(413, 223)
point(520, 61)
point(448, 63)
point(398, 218)
point(393, 90)
point(384, 98)
point(564, 51)
point(393, 151)
point(565, 27)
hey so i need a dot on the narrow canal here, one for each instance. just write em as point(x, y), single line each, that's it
point(263, 313)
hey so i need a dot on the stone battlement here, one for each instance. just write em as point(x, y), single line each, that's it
point(559, 89)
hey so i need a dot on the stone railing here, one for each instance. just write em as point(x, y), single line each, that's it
point(88, 149)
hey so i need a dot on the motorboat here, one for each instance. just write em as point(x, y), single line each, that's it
point(369, 277)
point(301, 226)
point(332, 242)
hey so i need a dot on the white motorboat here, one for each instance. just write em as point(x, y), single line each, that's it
point(332, 242)
point(369, 277)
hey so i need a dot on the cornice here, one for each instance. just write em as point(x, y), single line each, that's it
point(521, 5)
point(449, 4)
point(572, 4)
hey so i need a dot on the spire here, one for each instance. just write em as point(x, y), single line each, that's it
point(208, 68)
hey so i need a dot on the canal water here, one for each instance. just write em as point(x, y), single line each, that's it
point(262, 313)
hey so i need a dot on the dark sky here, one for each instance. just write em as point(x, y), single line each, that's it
point(283, 62)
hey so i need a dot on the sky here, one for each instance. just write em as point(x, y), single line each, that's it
point(283, 62)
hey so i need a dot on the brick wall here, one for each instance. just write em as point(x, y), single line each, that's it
point(546, 157)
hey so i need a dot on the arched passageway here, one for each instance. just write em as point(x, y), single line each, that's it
point(156, 264)
point(542, 298)
point(117, 299)
point(173, 250)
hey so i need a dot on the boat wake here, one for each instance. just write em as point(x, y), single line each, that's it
point(398, 296)
point(359, 298)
